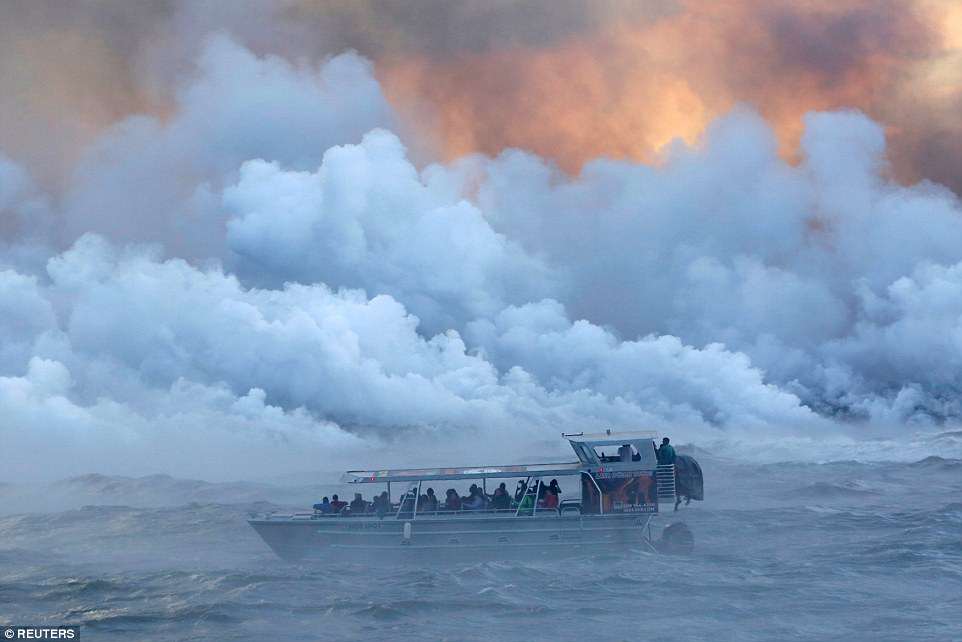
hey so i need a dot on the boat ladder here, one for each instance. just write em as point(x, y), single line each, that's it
point(665, 482)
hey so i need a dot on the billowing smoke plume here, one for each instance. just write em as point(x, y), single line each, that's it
point(570, 80)
point(265, 277)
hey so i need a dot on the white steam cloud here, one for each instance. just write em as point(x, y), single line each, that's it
point(265, 280)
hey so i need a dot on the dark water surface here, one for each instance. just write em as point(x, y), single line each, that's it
point(842, 551)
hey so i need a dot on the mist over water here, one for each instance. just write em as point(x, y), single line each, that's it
point(783, 551)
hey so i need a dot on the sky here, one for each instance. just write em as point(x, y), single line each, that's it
point(244, 239)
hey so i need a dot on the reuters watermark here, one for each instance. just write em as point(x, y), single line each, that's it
point(40, 633)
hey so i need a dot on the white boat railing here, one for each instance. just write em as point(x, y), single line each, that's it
point(665, 482)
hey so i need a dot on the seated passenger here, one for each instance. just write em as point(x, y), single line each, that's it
point(554, 487)
point(542, 489)
point(475, 500)
point(624, 453)
point(473, 492)
point(406, 504)
point(452, 500)
point(431, 500)
point(550, 501)
point(324, 506)
point(382, 504)
point(336, 504)
point(501, 500)
point(520, 490)
point(358, 505)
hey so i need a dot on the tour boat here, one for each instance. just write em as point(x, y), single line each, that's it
point(619, 491)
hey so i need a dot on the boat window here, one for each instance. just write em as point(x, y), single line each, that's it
point(585, 454)
point(631, 452)
point(613, 454)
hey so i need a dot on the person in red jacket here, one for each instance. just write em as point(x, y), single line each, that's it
point(336, 504)
point(452, 500)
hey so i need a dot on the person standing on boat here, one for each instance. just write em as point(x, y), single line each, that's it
point(665, 453)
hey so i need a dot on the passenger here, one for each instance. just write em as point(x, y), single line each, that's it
point(475, 500)
point(542, 490)
point(432, 501)
point(521, 489)
point(452, 500)
point(550, 495)
point(665, 453)
point(406, 503)
point(337, 505)
point(324, 506)
point(358, 505)
point(471, 498)
point(624, 453)
point(526, 502)
point(382, 504)
point(550, 501)
point(501, 500)
point(554, 487)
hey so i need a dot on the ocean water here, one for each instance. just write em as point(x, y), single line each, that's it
point(790, 551)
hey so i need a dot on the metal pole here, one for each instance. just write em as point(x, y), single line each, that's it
point(523, 495)
point(537, 492)
point(417, 498)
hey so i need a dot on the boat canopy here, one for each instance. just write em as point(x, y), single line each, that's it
point(609, 438)
point(468, 472)
point(636, 451)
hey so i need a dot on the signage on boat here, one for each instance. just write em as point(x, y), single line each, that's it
point(622, 491)
point(619, 474)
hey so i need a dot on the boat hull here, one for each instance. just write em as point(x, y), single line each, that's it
point(494, 537)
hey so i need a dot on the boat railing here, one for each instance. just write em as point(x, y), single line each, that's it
point(439, 512)
point(665, 482)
